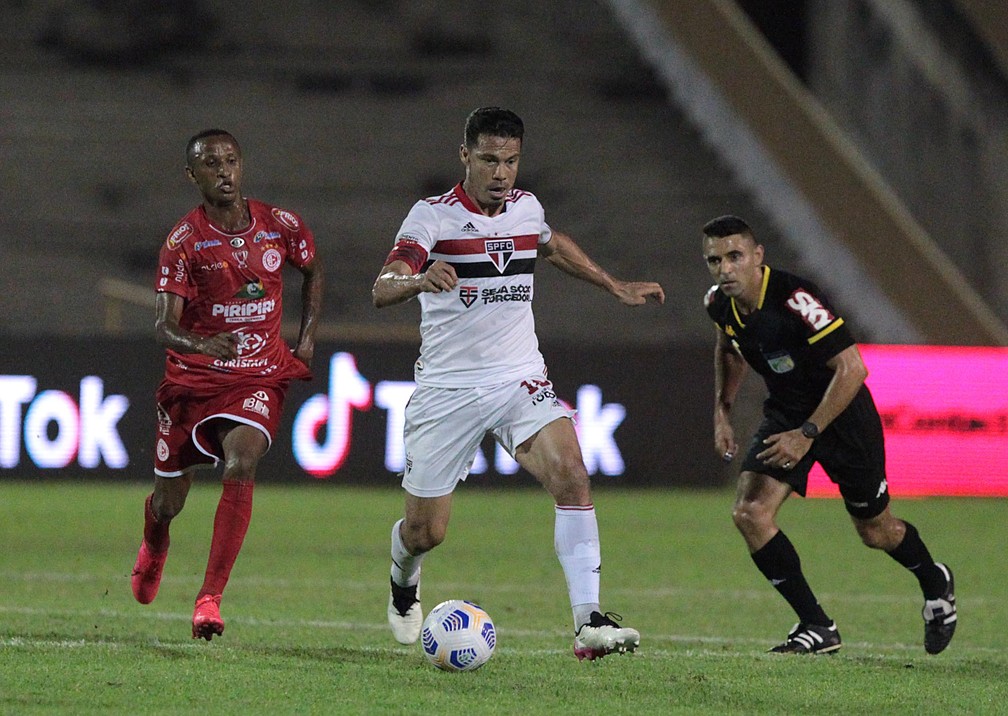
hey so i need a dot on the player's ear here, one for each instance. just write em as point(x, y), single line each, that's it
point(464, 154)
point(189, 173)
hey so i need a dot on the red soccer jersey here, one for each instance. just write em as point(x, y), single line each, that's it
point(234, 282)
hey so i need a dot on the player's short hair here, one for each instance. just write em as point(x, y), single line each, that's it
point(494, 122)
point(200, 136)
point(727, 225)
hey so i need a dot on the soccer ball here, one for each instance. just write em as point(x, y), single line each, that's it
point(458, 636)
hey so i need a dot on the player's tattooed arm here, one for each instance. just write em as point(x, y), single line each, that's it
point(171, 335)
point(397, 283)
point(311, 309)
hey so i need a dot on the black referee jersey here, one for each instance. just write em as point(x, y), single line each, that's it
point(788, 339)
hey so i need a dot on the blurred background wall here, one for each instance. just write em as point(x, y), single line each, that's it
point(865, 140)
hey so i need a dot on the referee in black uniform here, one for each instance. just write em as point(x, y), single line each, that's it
point(818, 410)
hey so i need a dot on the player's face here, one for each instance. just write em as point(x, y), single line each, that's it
point(491, 168)
point(735, 263)
point(216, 168)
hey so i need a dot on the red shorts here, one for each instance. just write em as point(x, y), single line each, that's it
point(186, 436)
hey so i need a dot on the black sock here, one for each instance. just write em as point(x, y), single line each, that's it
point(778, 561)
point(913, 554)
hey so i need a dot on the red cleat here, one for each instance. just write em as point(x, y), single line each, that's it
point(206, 619)
point(146, 576)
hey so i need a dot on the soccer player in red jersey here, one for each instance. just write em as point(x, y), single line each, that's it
point(219, 307)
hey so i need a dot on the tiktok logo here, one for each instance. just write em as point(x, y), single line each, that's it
point(323, 426)
point(596, 427)
point(348, 389)
point(57, 428)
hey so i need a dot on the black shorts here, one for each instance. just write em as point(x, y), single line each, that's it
point(851, 451)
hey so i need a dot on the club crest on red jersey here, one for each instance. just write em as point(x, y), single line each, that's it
point(500, 252)
point(272, 260)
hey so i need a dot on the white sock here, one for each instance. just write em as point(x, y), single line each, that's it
point(576, 540)
point(582, 614)
point(405, 566)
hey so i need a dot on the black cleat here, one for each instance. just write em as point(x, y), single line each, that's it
point(810, 639)
point(940, 616)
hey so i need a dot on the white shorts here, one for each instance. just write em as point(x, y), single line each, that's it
point(445, 426)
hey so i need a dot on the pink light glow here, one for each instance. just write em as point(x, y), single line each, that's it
point(945, 415)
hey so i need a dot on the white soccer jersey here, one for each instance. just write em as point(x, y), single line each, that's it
point(482, 332)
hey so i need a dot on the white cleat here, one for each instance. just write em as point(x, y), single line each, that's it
point(405, 616)
point(602, 635)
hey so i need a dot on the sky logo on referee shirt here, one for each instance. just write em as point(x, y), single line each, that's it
point(500, 252)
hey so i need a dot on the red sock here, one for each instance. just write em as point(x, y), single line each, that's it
point(234, 511)
point(155, 533)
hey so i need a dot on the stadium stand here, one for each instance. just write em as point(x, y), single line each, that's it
point(349, 112)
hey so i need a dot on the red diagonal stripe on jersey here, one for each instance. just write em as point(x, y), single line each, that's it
point(468, 247)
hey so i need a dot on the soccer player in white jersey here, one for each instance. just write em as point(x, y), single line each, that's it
point(468, 257)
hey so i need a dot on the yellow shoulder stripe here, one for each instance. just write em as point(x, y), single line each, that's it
point(826, 331)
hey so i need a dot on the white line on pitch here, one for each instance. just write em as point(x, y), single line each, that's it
point(475, 588)
point(505, 632)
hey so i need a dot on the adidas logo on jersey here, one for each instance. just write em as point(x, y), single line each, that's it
point(469, 227)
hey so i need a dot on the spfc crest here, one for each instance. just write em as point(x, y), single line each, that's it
point(500, 252)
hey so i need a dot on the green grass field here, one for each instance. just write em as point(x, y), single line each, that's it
point(305, 609)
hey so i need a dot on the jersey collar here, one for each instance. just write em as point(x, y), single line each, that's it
point(469, 204)
point(219, 230)
point(762, 296)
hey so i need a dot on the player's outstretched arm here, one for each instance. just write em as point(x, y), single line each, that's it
point(562, 251)
point(397, 282)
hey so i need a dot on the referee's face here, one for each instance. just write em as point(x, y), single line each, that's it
point(735, 263)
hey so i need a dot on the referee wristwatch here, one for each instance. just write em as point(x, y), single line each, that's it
point(810, 430)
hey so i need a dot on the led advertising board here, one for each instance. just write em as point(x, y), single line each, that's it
point(84, 409)
point(945, 416)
